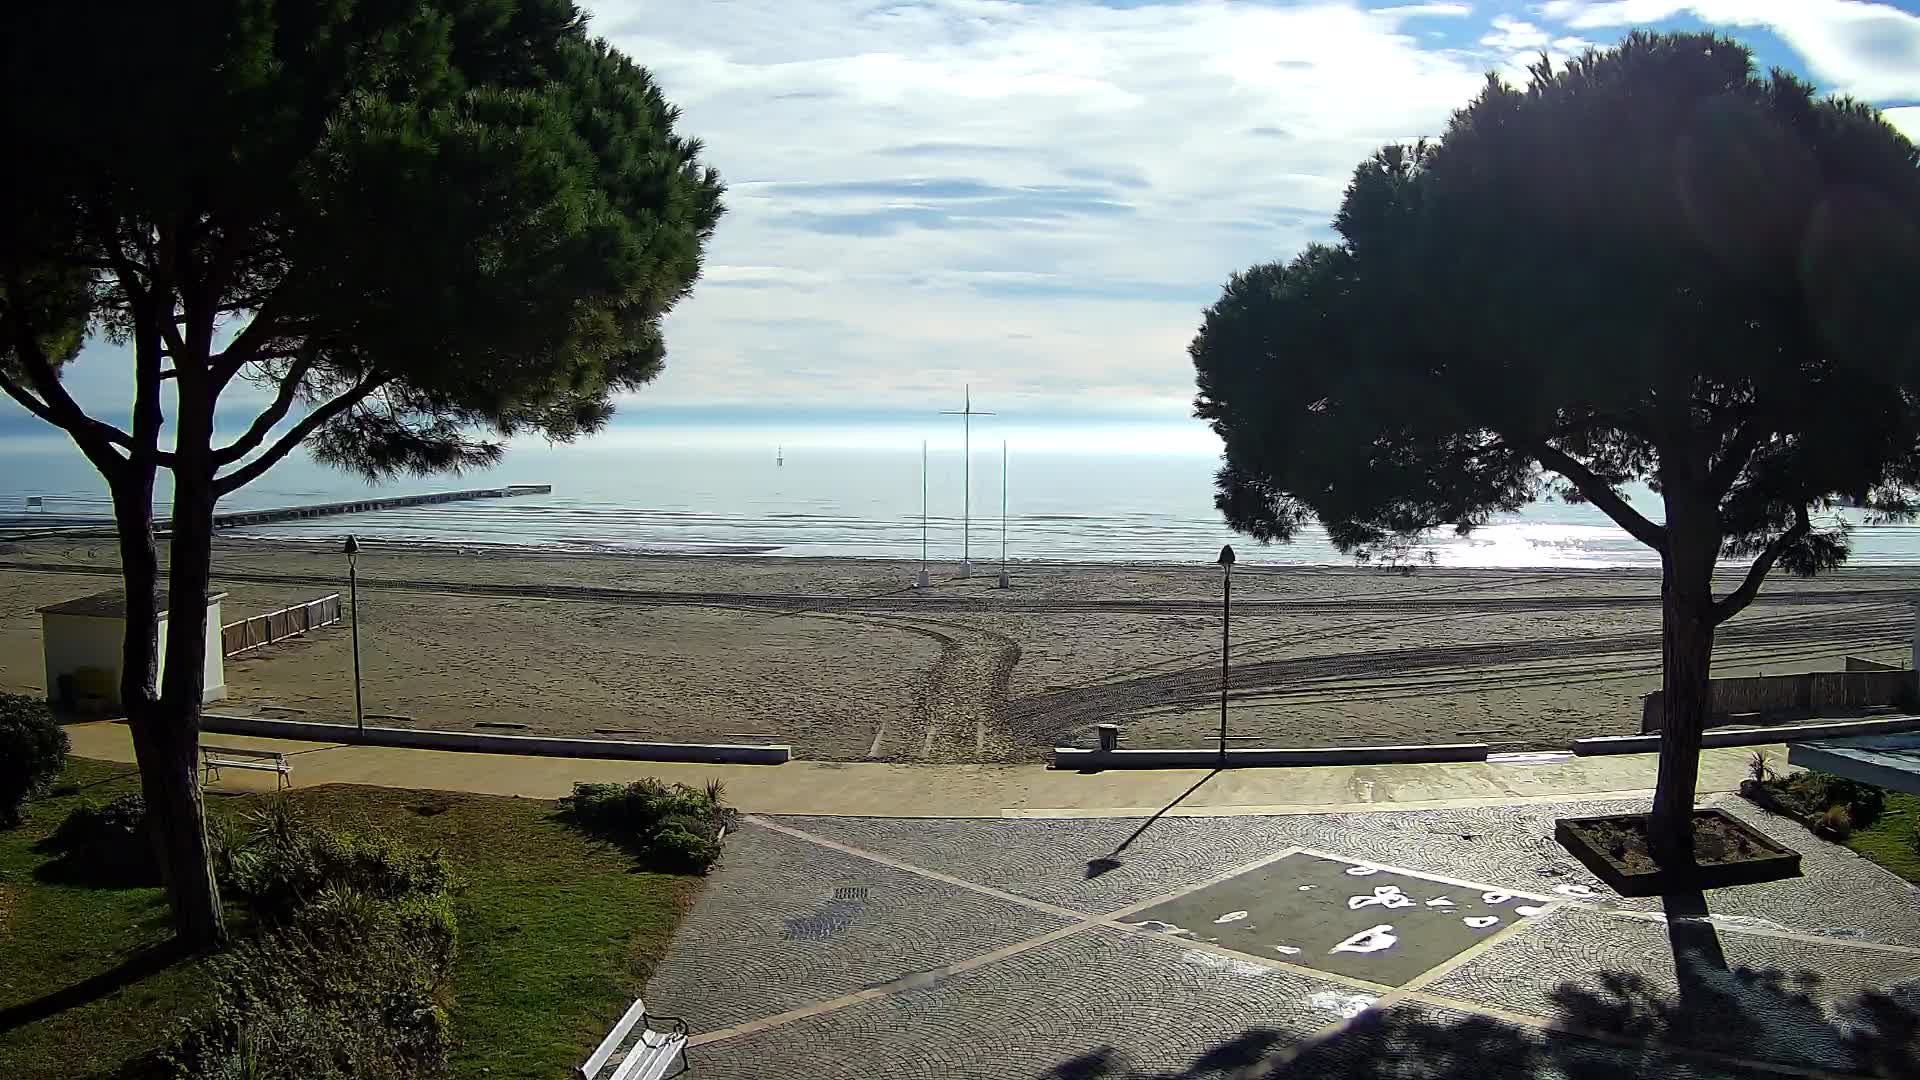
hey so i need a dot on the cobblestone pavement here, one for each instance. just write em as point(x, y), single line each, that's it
point(1299, 947)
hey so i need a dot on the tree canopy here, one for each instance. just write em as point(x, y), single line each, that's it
point(412, 223)
point(1648, 265)
point(415, 227)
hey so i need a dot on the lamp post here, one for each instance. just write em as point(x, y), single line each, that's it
point(353, 593)
point(1226, 614)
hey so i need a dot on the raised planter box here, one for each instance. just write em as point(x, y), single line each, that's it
point(1727, 851)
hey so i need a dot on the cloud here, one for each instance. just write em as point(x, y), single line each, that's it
point(1036, 198)
point(1415, 11)
point(1510, 33)
point(1040, 197)
point(1869, 50)
point(1907, 119)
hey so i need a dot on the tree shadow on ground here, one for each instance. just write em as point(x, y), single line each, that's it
point(140, 965)
point(1620, 1024)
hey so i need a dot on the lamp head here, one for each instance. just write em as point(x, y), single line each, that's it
point(1226, 555)
point(352, 547)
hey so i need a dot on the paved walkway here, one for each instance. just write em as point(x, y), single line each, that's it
point(1005, 923)
point(1460, 943)
point(886, 790)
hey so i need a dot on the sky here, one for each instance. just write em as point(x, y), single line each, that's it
point(1039, 198)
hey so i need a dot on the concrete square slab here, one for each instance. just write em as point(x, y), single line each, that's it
point(1101, 1003)
point(1344, 917)
point(784, 923)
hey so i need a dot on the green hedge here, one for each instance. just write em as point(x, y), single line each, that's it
point(33, 750)
point(348, 974)
point(669, 828)
point(105, 845)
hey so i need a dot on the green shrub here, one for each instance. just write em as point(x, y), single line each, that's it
point(349, 972)
point(1835, 824)
point(105, 845)
point(33, 750)
point(1813, 794)
point(283, 864)
point(344, 993)
point(672, 828)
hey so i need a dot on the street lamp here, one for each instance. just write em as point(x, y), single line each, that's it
point(1226, 614)
point(353, 593)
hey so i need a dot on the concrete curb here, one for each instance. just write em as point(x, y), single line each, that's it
point(1648, 744)
point(1072, 757)
point(472, 742)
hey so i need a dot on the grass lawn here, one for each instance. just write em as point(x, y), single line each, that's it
point(1889, 840)
point(556, 933)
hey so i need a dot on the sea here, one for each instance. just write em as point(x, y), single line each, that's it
point(1111, 492)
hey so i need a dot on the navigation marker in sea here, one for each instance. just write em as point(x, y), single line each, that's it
point(966, 473)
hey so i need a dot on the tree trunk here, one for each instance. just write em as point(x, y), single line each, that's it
point(1687, 625)
point(165, 750)
point(181, 824)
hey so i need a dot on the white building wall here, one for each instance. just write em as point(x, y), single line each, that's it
point(72, 642)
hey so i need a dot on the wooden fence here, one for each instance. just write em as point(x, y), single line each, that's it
point(236, 638)
point(1779, 699)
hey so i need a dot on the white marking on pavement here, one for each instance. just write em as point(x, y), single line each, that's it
point(1157, 927)
point(1373, 939)
point(1347, 1005)
point(1226, 965)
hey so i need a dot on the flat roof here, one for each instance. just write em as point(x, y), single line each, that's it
point(112, 604)
point(1888, 761)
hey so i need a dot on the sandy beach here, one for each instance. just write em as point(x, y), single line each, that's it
point(845, 662)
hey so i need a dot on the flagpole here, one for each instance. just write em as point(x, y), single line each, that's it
point(966, 414)
point(921, 582)
point(1003, 514)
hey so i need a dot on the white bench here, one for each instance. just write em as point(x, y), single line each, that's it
point(651, 1053)
point(215, 758)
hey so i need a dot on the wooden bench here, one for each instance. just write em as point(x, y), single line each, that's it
point(651, 1053)
point(215, 758)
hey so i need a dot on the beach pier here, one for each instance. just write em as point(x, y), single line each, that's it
point(362, 506)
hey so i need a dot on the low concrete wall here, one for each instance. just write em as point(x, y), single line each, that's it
point(1785, 698)
point(1861, 663)
point(1647, 744)
point(1070, 757)
point(473, 742)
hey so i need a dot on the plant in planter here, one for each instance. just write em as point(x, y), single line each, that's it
point(1727, 851)
point(1831, 806)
